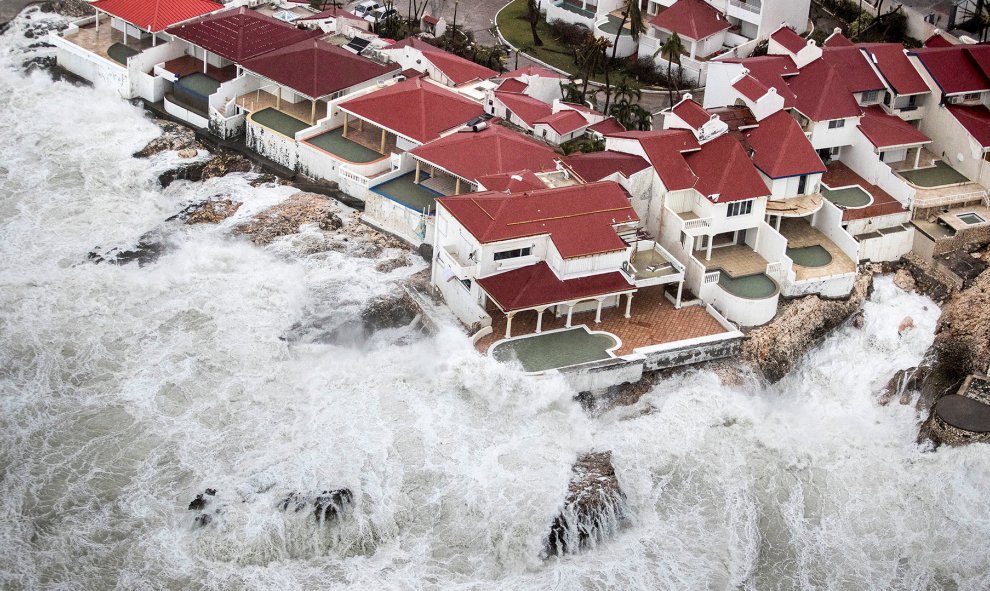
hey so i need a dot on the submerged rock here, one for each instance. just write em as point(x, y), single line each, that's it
point(174, 137)
point(905, 325)
point(389, 311)
point(219, 165)
point(593, 509)
point(329, 505)
point(904, 280)
point(212, 211)
point(202, 500)
point(389, 265)
point(149, 247)
point(286, 218)
point(776, 347)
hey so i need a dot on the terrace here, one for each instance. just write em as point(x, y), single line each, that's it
point(304, 111)
point(344, 148)
point(857, 198)
point(654, 321)
point(108, 42)
point(405, 191)
point(738, 260)
point(815, 256)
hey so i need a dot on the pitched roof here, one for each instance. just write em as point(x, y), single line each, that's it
point(938, 40)
point(772, 71)
point(976, 120)
point(240, 34)
point(691, 19)
point(532, 71)
point(493, 150)
point(724, 169)
point(564, 122)
point(527, 108)
point(888, 131)
point(607, 126)
point(780, 148)
point(691, 113)
point(791, 41)
point(895, 67)
point(838, 40)
point(957, 68)
point(513, 85)
point(822, 93)
point(414, 108)
point(580, 219)
point(537, 285)
point(663, 149)
point(750, 87)
point(156, 15)
point(856, 72)
point(594, 166)
point(315, 69)
point(512, 182)
point(458, 69)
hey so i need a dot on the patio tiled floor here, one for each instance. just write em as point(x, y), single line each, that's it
point(737, 260)
point(840, 175)
point(654, 321)
point(801, 234)
point(88, 39)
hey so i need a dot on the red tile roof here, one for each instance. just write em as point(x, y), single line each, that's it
point(772, 71)
point(856, 72)
point(428, 18)
point(791, 41)
point(580, 219)
point(888, 131)
point(564, 122)
point(457, 69)
point(415, 108)
point(315, 69)
point(938, 40)
point(822, 93)
point(780, 148)
point(156, 15)
point(532, 71)
point(527, 108)
point(494, 150)
point(512, 182)
point(537, 285)
point(976, 120)
point(751, 88)
point(895, 67)
point(692, 113)
point(664, 150)
point(736, 117)
point(594, 166)
point(691, 19)
point(724, 169)
point(512, 85)
point(240, 34)
point(607, 126)
point(838, 40)
point(956, 69)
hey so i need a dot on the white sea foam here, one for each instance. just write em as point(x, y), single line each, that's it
point(127, 390)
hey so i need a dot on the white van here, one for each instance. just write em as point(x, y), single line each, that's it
point(364, 8)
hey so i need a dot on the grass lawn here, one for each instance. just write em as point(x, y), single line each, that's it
point(515, 29)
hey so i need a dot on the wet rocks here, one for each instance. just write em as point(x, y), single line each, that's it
point(389, 311)
point(905, 325)
point(187, 153)
point(329, 505)
point(776, 347)
point(859, 319)
point(928, 279)
point(174, 137)
point(148, 248)
point(75, 8)
point(212, 211)
point(594, 508)
point(200, 503)
point(426, 251)
point(389, 265)
point(962, 337)
point(959, 419)
point(219, 165)
point(904, 280)
point(286, 218)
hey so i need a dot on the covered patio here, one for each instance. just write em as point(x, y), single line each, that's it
point(307, 111)
point(105, 41)
point(738, 260)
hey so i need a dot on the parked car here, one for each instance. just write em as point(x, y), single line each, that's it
point(363, 9)
point(381, 13)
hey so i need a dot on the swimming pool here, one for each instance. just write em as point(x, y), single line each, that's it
point(848, 197)
point(751, 287)
point(939, 175)
point(553, 350)
point(810, 256)
point(971, 218)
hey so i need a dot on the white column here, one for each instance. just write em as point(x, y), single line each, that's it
point(711, 240)
point(779, 217)
point(570, 312)
point(204, 60)
point(97, 24)
point(508, 324)
point(598, 312)
point(629, 305)
point(539, 320)
point(680, 287)
point(917, 158)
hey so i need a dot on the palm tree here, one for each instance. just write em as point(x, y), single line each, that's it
point(672, 49)
point(632, 14)
point(592, 58)
point(533, 16)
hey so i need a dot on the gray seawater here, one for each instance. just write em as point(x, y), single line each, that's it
point(126, 390)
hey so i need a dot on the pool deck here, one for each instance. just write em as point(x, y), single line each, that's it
point(800, 234)
point(260, 99)
point(403, 190)
point(185, 65)
point(654, 321)
point(840, 175)
point(88, 39)
point(952, 217)
point(737, 260)
point(346, 149)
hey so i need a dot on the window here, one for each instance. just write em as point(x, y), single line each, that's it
point(513, 254)
point(870, 96)
point(971, 96)
point(466, 283)
point(740, 208)
point(802, 184)
point(836, 123)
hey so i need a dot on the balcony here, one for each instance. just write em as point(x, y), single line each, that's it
point(462, 267)
point(650, 264)
point(747, 11)
point(694, 224)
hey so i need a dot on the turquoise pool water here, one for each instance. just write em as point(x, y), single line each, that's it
point(554, 350)
point(752, 287)
point(810, 256)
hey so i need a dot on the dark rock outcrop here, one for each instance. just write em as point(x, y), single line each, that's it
point(776, 347)
point(149, 247)
point(174, 137)
point(959, 419)
point(389, 265)
point(962, 337)
point(593, 510)
point(219, 165)
point(212, 211)
point(286, 218)
point(74, 8)
point(389, 311)
point(329, 505)
point(426, 251)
